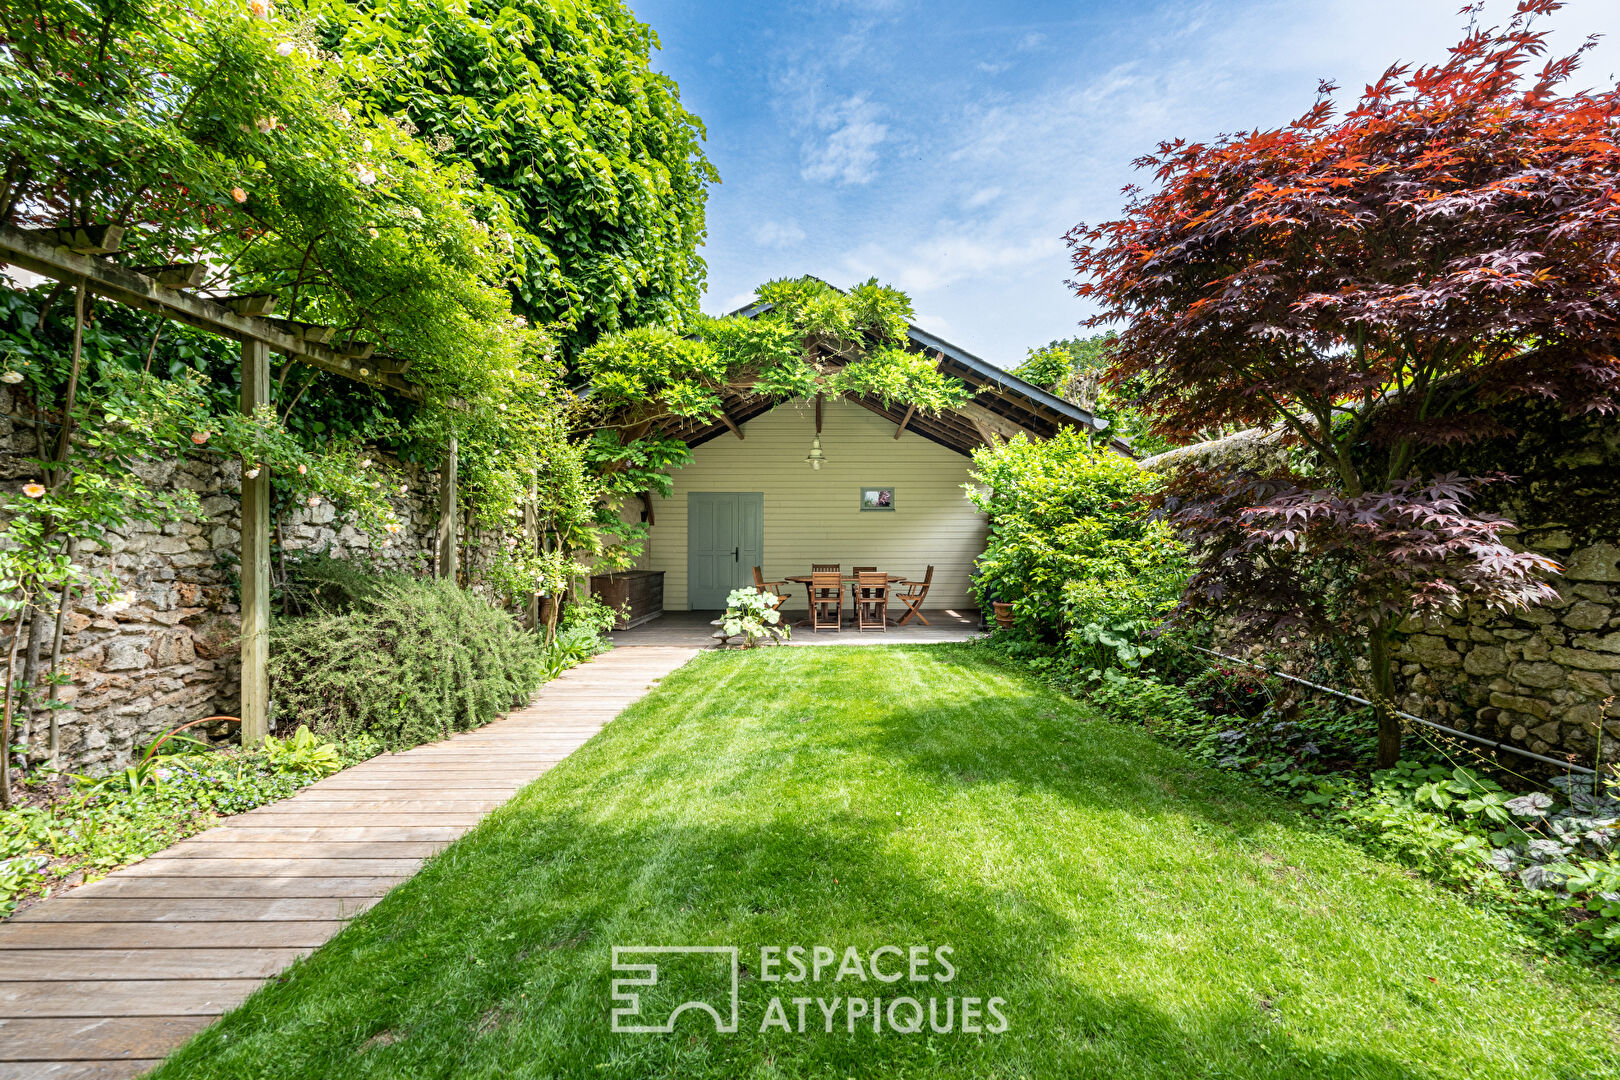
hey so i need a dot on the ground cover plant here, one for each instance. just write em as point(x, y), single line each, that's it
point(1140, 914)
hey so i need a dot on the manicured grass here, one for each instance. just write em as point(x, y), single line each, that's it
point(1140, 916)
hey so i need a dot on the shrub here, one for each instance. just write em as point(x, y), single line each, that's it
point(1072, 548)
point(409, 661)
point(752, 616)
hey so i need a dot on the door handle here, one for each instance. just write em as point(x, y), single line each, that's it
point(736, 554)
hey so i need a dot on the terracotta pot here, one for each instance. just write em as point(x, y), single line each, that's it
point(1004, 614)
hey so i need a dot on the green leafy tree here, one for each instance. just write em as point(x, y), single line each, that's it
point(1077, 370)
point(554, 104)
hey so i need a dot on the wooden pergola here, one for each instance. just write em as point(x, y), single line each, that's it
point(70, 256)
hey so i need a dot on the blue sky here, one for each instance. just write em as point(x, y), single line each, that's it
point(945, 146)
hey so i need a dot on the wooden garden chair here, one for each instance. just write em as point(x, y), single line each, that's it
point(826, 601)
point(913, 595)
point(772, 589)
point(855, 586)
point(871, 601)
point(826, 568)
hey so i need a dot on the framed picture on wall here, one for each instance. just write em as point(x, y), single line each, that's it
point(877, 498)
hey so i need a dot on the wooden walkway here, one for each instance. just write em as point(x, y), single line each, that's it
point(105, 980)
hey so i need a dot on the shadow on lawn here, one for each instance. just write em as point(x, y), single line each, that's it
point(496, 961)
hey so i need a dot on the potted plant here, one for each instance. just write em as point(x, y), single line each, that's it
point(1004, 614)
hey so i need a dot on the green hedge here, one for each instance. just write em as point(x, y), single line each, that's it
point(405, 661)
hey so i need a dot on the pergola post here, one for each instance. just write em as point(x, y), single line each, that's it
point(531, 537)
point(448, 512)
point(255, 560)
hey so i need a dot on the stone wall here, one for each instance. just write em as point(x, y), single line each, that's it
point(1546, 679)
point(165, 650)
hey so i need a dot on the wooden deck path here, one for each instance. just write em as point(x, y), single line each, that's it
point(105, 980)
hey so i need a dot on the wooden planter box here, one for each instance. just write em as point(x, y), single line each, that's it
point(643, 590)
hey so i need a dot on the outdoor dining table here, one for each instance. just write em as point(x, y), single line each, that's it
point(849, 579)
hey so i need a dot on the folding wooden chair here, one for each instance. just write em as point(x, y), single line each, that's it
point(871, 601)
point(913, 595)
point(826, 601)
point(770, 588)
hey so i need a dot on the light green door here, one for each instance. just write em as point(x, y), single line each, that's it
point(725, 540)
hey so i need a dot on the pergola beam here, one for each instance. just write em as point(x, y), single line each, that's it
point(731, 425)
point(904, 420)
point(139, 291)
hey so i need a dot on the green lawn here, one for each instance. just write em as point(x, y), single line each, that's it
point(1140, 916)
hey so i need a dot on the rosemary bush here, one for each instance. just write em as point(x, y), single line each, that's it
point(408, 661)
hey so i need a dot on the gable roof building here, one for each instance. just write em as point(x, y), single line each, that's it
point(887, 490)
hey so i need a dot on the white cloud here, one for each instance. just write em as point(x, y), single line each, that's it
point(992, 69)
point(934, 324)
point(982, 197)
point(778, 234)
point(848, 151)
point(955, 253)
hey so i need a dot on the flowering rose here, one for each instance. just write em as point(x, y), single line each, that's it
point(13, 377)
point(366, 463)
point(393, 526)
point(33, 490)
point(365, 175)
point(267, 124)
point(302, 470)
point(314, 500)
point(199, 437)
point(259, 9)
point(285, 48)
point(238, 194)
point(253, 473)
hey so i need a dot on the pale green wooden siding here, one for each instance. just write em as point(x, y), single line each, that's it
point(814, 517)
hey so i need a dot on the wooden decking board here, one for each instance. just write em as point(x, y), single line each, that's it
point(282, 849)
point(125, 887)
point(76, 1070)
point(112, 910)
point(64, 965)
point(284, 934)
point(131, 997)
point(155, 951)
point(106, 1038)
point(291, 866)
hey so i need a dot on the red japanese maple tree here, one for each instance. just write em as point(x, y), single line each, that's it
point(1372, 283)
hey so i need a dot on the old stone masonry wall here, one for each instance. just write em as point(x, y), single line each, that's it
point(165, 651)
point(1547, 679)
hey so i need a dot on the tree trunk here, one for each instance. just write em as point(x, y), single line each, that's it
point(1381, 680)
